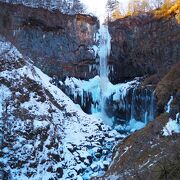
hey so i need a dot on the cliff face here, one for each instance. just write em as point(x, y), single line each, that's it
point(144, 45)
point(167, 87)
point(149, 45)
point(148, 153)
point(59, 44)
point(62, 44)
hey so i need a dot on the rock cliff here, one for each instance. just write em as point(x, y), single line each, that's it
point(59, 44)
point(144, 45)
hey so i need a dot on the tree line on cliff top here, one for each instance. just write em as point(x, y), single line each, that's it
point(116, 10)
point(65, 6)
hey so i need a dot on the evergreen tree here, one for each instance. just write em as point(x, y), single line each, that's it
point(77, 7)
point(112, 6)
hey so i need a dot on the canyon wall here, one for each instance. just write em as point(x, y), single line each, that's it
point(149, 45)
point(144, 45)
point(59, 44)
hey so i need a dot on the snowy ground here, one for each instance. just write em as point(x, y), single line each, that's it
point(43, 133)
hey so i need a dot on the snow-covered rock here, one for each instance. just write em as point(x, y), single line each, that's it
point(173, 126)
point(43, 133)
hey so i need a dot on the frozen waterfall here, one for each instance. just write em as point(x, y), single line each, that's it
point(124, 104)
point(104, 51)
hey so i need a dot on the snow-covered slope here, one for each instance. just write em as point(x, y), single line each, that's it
point(43, 134)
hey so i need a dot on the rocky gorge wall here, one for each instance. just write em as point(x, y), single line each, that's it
point(149, 47)
point(59, 44)
point(144, 45)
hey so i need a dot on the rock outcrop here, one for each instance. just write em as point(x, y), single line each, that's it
point(148, 153)
point(167, 87)
point(144, 45)
point(59, 44)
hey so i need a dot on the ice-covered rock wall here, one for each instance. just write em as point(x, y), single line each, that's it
point(124, 101)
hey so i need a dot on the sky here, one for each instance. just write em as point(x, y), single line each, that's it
point(97, 7)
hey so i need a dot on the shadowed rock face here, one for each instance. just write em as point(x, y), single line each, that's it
point(59, 44)
point(147, 153)
point(144, 45)
point(167, 87)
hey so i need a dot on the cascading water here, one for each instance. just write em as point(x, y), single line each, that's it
point(104, 51)
point(143, 105)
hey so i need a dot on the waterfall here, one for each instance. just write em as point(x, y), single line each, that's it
point(104, 51)
point(132, 105)
point(143, 105)
point(116, 104)
point(152, 107)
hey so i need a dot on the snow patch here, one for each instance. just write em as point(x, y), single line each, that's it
point(134, 125)
point(39, 124)
point(173, 126)
point(8, 51)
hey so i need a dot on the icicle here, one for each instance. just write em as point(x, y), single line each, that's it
point(112, 69)
point(90, 68)
point(168, 107)
point(146, 105)
point(146, 117)
point(152, 111)
point(132, 105)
